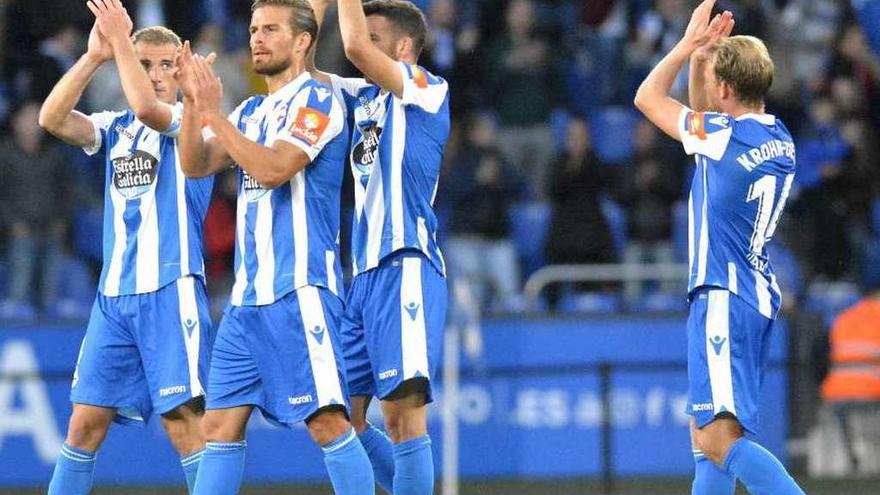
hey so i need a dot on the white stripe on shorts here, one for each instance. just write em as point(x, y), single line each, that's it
point(413, 339)
point(191, 328)
point(321, 355)
point(718, 351)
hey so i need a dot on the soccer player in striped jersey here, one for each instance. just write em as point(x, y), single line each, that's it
point(147, 345)
point(277, 346)
point(745, 162)
point(396, 307)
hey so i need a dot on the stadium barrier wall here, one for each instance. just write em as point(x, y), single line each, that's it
point(532, 406)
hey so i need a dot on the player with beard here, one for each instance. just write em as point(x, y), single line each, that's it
point(278, 345)
point(396, 307)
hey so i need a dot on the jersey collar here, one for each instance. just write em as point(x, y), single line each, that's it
point(764, 118)
point(291, 88)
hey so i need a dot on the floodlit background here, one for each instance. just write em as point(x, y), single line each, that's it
point(555, 380)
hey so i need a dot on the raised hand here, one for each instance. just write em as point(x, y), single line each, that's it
point(184, 70)
point(99, 48)
point(208, 89)
point(700, 30)
point(720, 28)
point(112, 19)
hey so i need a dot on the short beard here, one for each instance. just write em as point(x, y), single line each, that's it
point(273, 69)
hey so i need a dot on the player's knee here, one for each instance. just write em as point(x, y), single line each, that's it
point(87, 431)
point(215, 429)
point(716, 438)
point(184, 430)
point(327, 425)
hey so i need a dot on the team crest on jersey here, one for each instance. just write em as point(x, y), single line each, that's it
point(310, 125)
point(251, 188)
point(135, 174)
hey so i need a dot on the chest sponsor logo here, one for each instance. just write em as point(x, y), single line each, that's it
point(135, 174)
point(363, 156)
point(251, 189)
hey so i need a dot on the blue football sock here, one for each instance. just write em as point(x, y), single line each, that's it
point(221, 468)
point(378, 447)
point(759, 470)
point(348, 465)
point(74, 472)
point(709, 479)
point(414, 467)
point(190, 465)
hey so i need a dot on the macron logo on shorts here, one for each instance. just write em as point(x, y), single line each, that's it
point(302, 399)
point(706, 406)
point(717, 344)
point(413, 310)
point(388, 374)
point(177, 389)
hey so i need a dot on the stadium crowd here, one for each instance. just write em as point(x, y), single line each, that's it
point(548, 161)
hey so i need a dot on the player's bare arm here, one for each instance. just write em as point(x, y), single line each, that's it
point(116, 25)
point(361, 50)
point(198, 158)
point(57, 115)
point(270, 167)
point(320, 8)
point(653, 98)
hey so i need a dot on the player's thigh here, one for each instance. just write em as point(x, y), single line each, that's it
point(175, 335)
point(724, 355)
point(404, 322)
point(358, 368)
point(108, 372)
point(88, 426)
point(234, 378)
point(296, 347)
point(405, 412)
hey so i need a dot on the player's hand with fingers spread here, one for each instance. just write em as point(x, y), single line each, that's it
point(700, 30)
point(112, 19)
point(184, 71)
point(208, 88)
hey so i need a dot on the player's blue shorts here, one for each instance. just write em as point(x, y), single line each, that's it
point(146, 352)
point(727, 347)
point(393, 326)
point(282, 358)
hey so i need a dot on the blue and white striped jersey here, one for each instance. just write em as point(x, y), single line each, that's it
point(745, 168)
point(288, 237)
point(153, 214)
point(396, 151)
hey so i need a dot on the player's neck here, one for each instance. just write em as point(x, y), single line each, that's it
point(278, 81)
point(737, 110)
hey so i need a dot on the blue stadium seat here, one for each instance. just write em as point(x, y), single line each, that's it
point(616, 218)
point(875, 216)
point(76, 290)
point(830, 298)
point(680, 231)
point(612, 130)
point(590, 302)
point(662, 302)
point(529, 223)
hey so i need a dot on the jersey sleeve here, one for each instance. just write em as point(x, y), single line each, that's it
point(346, 89)
point(313, 119)
point(101, 122)
point(173, 129)
point(423, 89)
point(705, 133)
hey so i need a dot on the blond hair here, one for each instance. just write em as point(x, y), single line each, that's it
point(744, 63)
point(156, 35)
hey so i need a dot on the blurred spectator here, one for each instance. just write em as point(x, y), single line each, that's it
point(652, 184)
point(55, 56)
point(811, 26)
point(579, 232)
point(36, 196)
point(522, 83)
point(855, 61)
point(479, 189)
point(820, 206)
point(232, 67)
point(451, 51)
